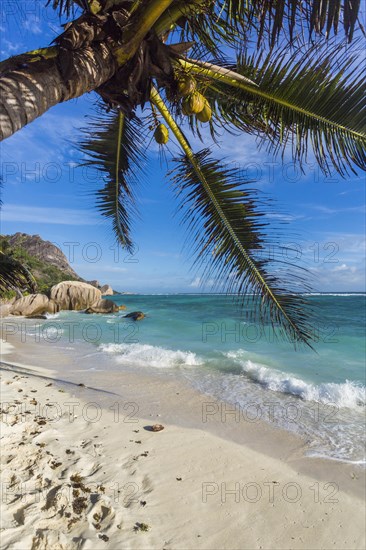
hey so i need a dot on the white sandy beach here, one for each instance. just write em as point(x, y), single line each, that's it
point(75, 475)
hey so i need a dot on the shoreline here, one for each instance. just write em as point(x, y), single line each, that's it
point(178, 402)
point(204, 484)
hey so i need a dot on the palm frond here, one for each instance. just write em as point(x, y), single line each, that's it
point(114, 146)
point(66, 7)
point(14, 275)
point(208, 33)
point(197, 21)
point(274, 18)
point(316, 99)
point(227, 235)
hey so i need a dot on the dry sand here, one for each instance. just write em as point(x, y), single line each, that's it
point(75, 475)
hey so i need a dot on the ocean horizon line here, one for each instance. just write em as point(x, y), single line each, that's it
point(329, 293)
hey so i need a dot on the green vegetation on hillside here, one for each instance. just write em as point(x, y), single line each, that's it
point(46, 275)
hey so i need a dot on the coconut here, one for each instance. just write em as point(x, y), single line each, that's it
point(185, 108)
point(186, 86)
point(206, 113)
point(193, 104)
point(197, 102)
point(161, 134)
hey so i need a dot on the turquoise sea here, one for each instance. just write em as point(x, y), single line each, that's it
point(206, 340)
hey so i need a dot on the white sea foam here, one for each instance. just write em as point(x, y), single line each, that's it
point(348, 394)
point(354, 294)
point(319, 454)
point(47, 333)
point(150, 356)
point(5, 347)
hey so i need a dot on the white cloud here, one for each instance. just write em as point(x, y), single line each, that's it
point(116, 269)
point(283, 217)
point(9, 48)
point(351, 246)
point(344, 267)
point(45, 132)
point(241, 149)
point(162, 254)
point(342, 277)
point(39, 215)
point(32, 24)
point(326, 210)
point(41, 151)
point(205, 285)
point(196, 283)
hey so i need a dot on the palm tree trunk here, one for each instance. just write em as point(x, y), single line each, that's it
point(32, 83)
point(29, 88)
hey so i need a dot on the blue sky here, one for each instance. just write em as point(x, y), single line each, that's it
point(46, 194)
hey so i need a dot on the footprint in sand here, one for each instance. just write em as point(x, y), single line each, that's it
point(137, 493)
point(147, 485)
point(91, 448)
point(102, 515)
point(45, 539)
point(56, 499)
point(19, 516)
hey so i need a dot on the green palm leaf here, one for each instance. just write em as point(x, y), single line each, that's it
point(227, 235)
point(14, 275)
point(316, 100)
point(65, 7)
point(202, 25)
point(226, 229)
point(68, 7)
point(116, 149)
point(273, 18)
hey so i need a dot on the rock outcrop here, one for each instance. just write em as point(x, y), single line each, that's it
point(94, 282)
point(54, 277)
point(135, 315)
point(106, 290)
point(5, 310)
point(45, 251)
point(53, 307)
point(68, 295)
point(33, 304)
point(47, 263)
point(103, 306)
point(38, 316)
point(74, 295)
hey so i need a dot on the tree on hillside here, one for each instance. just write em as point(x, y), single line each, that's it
point(279, 70)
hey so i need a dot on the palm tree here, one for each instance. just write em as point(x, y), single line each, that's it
point(14, 275)
point(272, 69)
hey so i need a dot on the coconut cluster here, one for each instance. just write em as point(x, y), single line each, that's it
point(193, 103)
